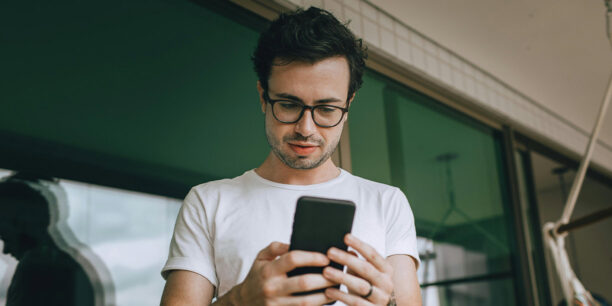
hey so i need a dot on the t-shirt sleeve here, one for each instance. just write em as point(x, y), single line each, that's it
point(191, 247)
point(401, 233)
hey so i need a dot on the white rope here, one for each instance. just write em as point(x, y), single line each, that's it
point(584, 164)
point(573, 290)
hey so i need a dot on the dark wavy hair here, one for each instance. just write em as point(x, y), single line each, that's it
point(309, 35)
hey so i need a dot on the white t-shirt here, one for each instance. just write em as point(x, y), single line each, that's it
point(223, 224)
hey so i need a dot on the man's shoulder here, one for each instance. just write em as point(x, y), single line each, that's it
point(212, 190)
point(373, 185)
point(236, 182)
point(376, 194)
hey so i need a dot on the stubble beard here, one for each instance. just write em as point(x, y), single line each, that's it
point(300, 162)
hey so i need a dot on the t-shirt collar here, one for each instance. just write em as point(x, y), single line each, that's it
point(343, 174)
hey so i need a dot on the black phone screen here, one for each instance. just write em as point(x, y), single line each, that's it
point(318, 225)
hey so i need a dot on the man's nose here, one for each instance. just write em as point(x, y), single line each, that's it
point(306, 126)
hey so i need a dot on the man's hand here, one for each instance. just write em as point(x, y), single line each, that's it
point(370, 281)
point(267, 282)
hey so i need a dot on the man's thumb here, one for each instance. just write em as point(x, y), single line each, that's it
point(273, 250)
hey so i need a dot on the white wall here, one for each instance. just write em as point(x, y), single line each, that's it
point(555, 52)
point(539, 66)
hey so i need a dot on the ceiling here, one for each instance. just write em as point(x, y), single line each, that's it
point(554, 51)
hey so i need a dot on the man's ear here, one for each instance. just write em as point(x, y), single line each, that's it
point(262, 101)
point(350, 101)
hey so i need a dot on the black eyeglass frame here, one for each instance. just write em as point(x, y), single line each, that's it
point(304, 107)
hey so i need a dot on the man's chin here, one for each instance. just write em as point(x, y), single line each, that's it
point(302, 162)
point(302, 165)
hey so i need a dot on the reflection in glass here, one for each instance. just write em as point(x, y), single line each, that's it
point(53, 267)
point(7, 263)
point(450, 169)
point(129, 232)
point(485, 293)
point(588, 248)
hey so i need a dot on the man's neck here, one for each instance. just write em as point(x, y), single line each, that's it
point(273, 169)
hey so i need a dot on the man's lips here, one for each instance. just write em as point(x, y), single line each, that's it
point(302, 149)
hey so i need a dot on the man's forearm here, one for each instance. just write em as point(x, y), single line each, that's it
point(231, 298)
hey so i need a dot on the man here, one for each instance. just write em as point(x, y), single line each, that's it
point(230, 239)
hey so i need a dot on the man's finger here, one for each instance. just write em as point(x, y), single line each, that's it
point(359, 267)
point(349, 270)
point(272, 251)
point(304, 283)
point(368, 252)
point(295, 259)
point(311, 299)
point(356, 285)
point(346, 298)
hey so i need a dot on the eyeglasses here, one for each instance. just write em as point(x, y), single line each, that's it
point(287, 111)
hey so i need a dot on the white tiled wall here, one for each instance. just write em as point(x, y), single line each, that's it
point(389, 37)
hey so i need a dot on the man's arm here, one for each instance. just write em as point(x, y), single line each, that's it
point(187, 288)
point(406, 284)
point(266, 284)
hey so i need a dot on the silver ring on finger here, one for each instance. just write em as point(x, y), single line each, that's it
point(367, 295)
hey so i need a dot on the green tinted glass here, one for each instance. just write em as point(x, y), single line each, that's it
point(450, 169)
point(150, 82)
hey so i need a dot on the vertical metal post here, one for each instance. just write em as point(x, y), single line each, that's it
point(543, 283)
point(520, 260)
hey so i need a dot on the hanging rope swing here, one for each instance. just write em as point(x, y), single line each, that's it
point(555, 232)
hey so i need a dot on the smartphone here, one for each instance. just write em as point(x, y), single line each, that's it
point(318, 225)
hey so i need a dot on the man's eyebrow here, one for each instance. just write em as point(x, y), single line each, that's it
point(297, 99)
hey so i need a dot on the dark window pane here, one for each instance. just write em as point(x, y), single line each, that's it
point(450, 169)
point(588, 247)
point(155, 82)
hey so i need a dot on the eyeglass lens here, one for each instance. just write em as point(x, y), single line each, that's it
point(290, 112)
